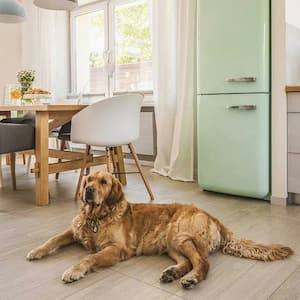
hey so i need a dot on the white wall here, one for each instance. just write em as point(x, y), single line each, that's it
point(29, 46)
point(293, 54)
point(293, 12)
point(292, 15)
point(10, 55)
point(279, 105)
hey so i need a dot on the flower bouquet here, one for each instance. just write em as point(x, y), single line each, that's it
point(26, 79)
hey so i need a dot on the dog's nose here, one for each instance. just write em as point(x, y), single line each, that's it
point(89, 194)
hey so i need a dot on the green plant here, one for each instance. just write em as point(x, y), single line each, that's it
point(26, 78)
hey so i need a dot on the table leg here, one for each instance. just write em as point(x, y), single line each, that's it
point(41, 153)
point(1, 176)
point(120, 164)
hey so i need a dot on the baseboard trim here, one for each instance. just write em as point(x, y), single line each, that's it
point(279, 201)
point(294, 198)
point(145, 163)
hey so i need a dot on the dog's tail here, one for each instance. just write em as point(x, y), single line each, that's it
point(249, 249)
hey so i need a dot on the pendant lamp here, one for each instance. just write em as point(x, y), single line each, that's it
point(56, 4)
point(11, 11)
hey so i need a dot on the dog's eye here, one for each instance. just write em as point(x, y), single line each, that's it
point(103, 181)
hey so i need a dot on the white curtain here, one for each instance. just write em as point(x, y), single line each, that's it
point(174, 39)
point(45, 48)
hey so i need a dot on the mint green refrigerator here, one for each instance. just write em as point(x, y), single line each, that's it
point(234, 97)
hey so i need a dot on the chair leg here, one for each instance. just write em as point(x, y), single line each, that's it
point(87, 153)
point(29, 164)
point(13, 169)
point(139, 166)
point(57, 143)
point(24, 159)
point(1, 175)
point(120, 164)
point(107, 151)
point(69, 145)
point(115, 164)
point(88, 150)
point(62, 148)
point(115, 167)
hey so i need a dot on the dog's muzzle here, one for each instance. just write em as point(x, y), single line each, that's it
point(89, 194)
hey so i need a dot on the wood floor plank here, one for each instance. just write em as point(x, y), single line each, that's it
point(146, 269)
point(224, 271)
point(290, 289)
point(119, 286)
point(46, 286)
point(260, 281)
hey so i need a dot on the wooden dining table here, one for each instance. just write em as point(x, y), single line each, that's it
point(47, 118)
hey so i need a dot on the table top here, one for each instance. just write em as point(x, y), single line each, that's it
point(292, 89)
point(42, 107)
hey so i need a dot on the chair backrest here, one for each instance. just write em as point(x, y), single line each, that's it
point(29, 115)
point(29, 118)
point(109, 122)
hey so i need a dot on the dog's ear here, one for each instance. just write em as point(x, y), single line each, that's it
point(116, 194)
point(81, 190)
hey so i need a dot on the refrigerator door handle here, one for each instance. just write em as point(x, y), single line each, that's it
point(242, 107)
point(241, 79)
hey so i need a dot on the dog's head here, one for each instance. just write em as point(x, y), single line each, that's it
point(101, 188)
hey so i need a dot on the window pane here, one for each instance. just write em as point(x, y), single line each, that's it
point(90, 45)
point(133, 47)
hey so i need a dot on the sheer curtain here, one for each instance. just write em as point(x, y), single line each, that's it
point(45, 48)
point(174, 55)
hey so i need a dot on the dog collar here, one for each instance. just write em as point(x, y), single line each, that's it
point(93, 222)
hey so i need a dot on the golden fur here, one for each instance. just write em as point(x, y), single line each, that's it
point(114, 230)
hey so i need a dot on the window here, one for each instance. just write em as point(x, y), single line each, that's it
point(112, 48)
point(90, 46)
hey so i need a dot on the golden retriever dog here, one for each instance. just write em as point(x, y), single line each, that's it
point(114, 230)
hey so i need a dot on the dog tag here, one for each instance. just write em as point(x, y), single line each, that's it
point(92, 225)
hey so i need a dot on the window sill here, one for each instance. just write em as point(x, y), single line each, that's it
point(148, 99)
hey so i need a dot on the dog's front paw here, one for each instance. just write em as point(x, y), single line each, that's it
point(34, 254)
point(168, 275)
point(73, 274)
point(189, 282)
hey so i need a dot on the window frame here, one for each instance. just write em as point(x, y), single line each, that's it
point(108, 7)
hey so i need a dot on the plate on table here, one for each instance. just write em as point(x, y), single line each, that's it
point(38, 98)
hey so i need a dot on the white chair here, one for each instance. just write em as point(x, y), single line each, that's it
point(110, 123)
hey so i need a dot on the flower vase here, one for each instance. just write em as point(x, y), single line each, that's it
point(25, 86)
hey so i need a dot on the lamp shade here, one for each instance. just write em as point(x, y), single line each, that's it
point(11, 11)
point(56, 4)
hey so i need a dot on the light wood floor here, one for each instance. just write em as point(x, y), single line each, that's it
point(24, 226)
